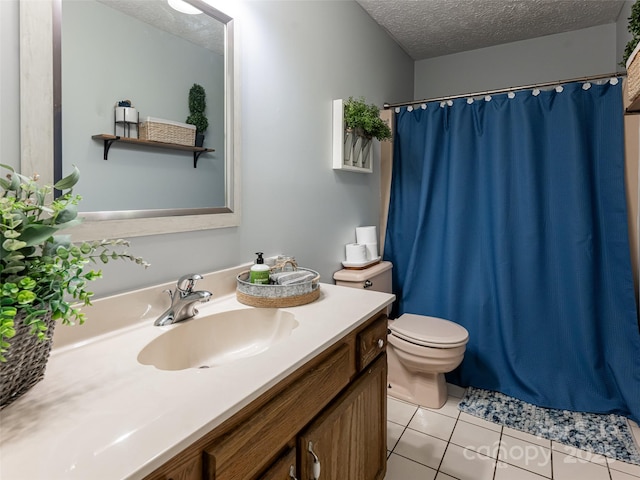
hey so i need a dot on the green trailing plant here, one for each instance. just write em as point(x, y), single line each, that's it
point(197, 105)
point(634, 29)
point(40, 269)
point(365, 119)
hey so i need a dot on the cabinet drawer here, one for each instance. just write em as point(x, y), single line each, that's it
point(371, 341)
point(247, 449)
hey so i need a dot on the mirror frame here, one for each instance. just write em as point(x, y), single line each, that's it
point(40, 115)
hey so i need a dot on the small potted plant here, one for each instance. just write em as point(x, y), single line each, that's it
point(362, 123)
point(43, 275)
point(197, 118)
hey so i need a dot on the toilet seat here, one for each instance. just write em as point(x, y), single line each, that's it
point(429, 331)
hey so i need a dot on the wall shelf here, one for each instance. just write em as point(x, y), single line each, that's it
point(350, 158)
point(111, 139)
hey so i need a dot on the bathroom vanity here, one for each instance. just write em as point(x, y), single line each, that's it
point(329, 414)
point(314, 399)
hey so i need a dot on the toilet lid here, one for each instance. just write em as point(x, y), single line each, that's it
point(429, 331)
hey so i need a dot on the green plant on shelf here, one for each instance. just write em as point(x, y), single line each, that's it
point(364, 119)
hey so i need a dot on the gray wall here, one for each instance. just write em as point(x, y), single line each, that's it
point(296, 57)
point(589, 51)
point(155, 70)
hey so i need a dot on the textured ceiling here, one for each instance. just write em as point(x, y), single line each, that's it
point(431, 28)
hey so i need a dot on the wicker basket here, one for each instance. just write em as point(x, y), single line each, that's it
point(26, 360)
point(167, 131)
point(633, 75)
point(277, 296)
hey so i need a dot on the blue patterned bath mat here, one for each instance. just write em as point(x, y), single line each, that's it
point(604, 434)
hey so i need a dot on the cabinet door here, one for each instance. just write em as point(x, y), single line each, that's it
point(349, 439)
point(283, 469)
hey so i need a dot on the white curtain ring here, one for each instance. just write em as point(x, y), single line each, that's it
point(487, 98)
point(410, 108)
point(535, 92)
point(511, 95)
point(586, 86)
point(559, 89)
point(424, 106)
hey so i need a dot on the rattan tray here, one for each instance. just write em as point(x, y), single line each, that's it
point(277, 296)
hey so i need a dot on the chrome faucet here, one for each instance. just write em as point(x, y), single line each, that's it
point(183, 301)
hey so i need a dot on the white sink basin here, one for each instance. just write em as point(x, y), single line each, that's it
point(219, 338)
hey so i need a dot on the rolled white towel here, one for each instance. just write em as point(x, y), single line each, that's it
point(292, 278)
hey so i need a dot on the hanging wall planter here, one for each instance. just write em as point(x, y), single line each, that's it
point(631, 56)
point(355, 124)
point(633, 75)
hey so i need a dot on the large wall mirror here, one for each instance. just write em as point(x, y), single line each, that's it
point(106, 51)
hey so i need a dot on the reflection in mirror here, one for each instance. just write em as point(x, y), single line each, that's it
point(40, 41)
point(150, 54)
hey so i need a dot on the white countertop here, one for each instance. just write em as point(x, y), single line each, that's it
point(99, 414)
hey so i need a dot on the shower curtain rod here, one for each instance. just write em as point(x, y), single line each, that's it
point(504, 90)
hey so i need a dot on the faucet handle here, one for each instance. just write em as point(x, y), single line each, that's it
point(187, 282)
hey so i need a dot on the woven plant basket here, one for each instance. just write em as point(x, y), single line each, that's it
point(26, 360)
point(633, 75)
point(166, 131)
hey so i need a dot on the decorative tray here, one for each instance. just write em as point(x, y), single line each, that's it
point(277, 296)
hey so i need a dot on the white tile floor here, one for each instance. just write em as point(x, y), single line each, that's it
point(446, 444)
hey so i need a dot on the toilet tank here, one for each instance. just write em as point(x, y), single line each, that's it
point(376, 277)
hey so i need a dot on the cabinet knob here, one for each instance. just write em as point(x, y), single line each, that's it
point(380, 343)
point(368, 284)
point(292, 472)
point(316, 463)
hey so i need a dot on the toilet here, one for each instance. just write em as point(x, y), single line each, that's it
point(420, 350)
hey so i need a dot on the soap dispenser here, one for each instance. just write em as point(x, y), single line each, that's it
point(259, 271)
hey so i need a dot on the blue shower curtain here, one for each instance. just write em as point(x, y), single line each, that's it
point(508, 216)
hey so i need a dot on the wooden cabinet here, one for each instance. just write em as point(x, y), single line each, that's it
point(337, 401)
point(283, 469)
point(240, 453)
point(186, 467)
point(371, 341)
point(348, 440)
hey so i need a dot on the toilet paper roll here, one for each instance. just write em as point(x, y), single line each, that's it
point(372, 250)
point(356, 253)
point(366, 235)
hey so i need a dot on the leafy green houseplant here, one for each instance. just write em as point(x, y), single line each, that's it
point(634, 29)
point(43, 274)
point(365, 119)
point(197, 106)
point(362, 123)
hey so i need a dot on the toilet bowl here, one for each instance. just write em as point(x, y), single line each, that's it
point(420, 349)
